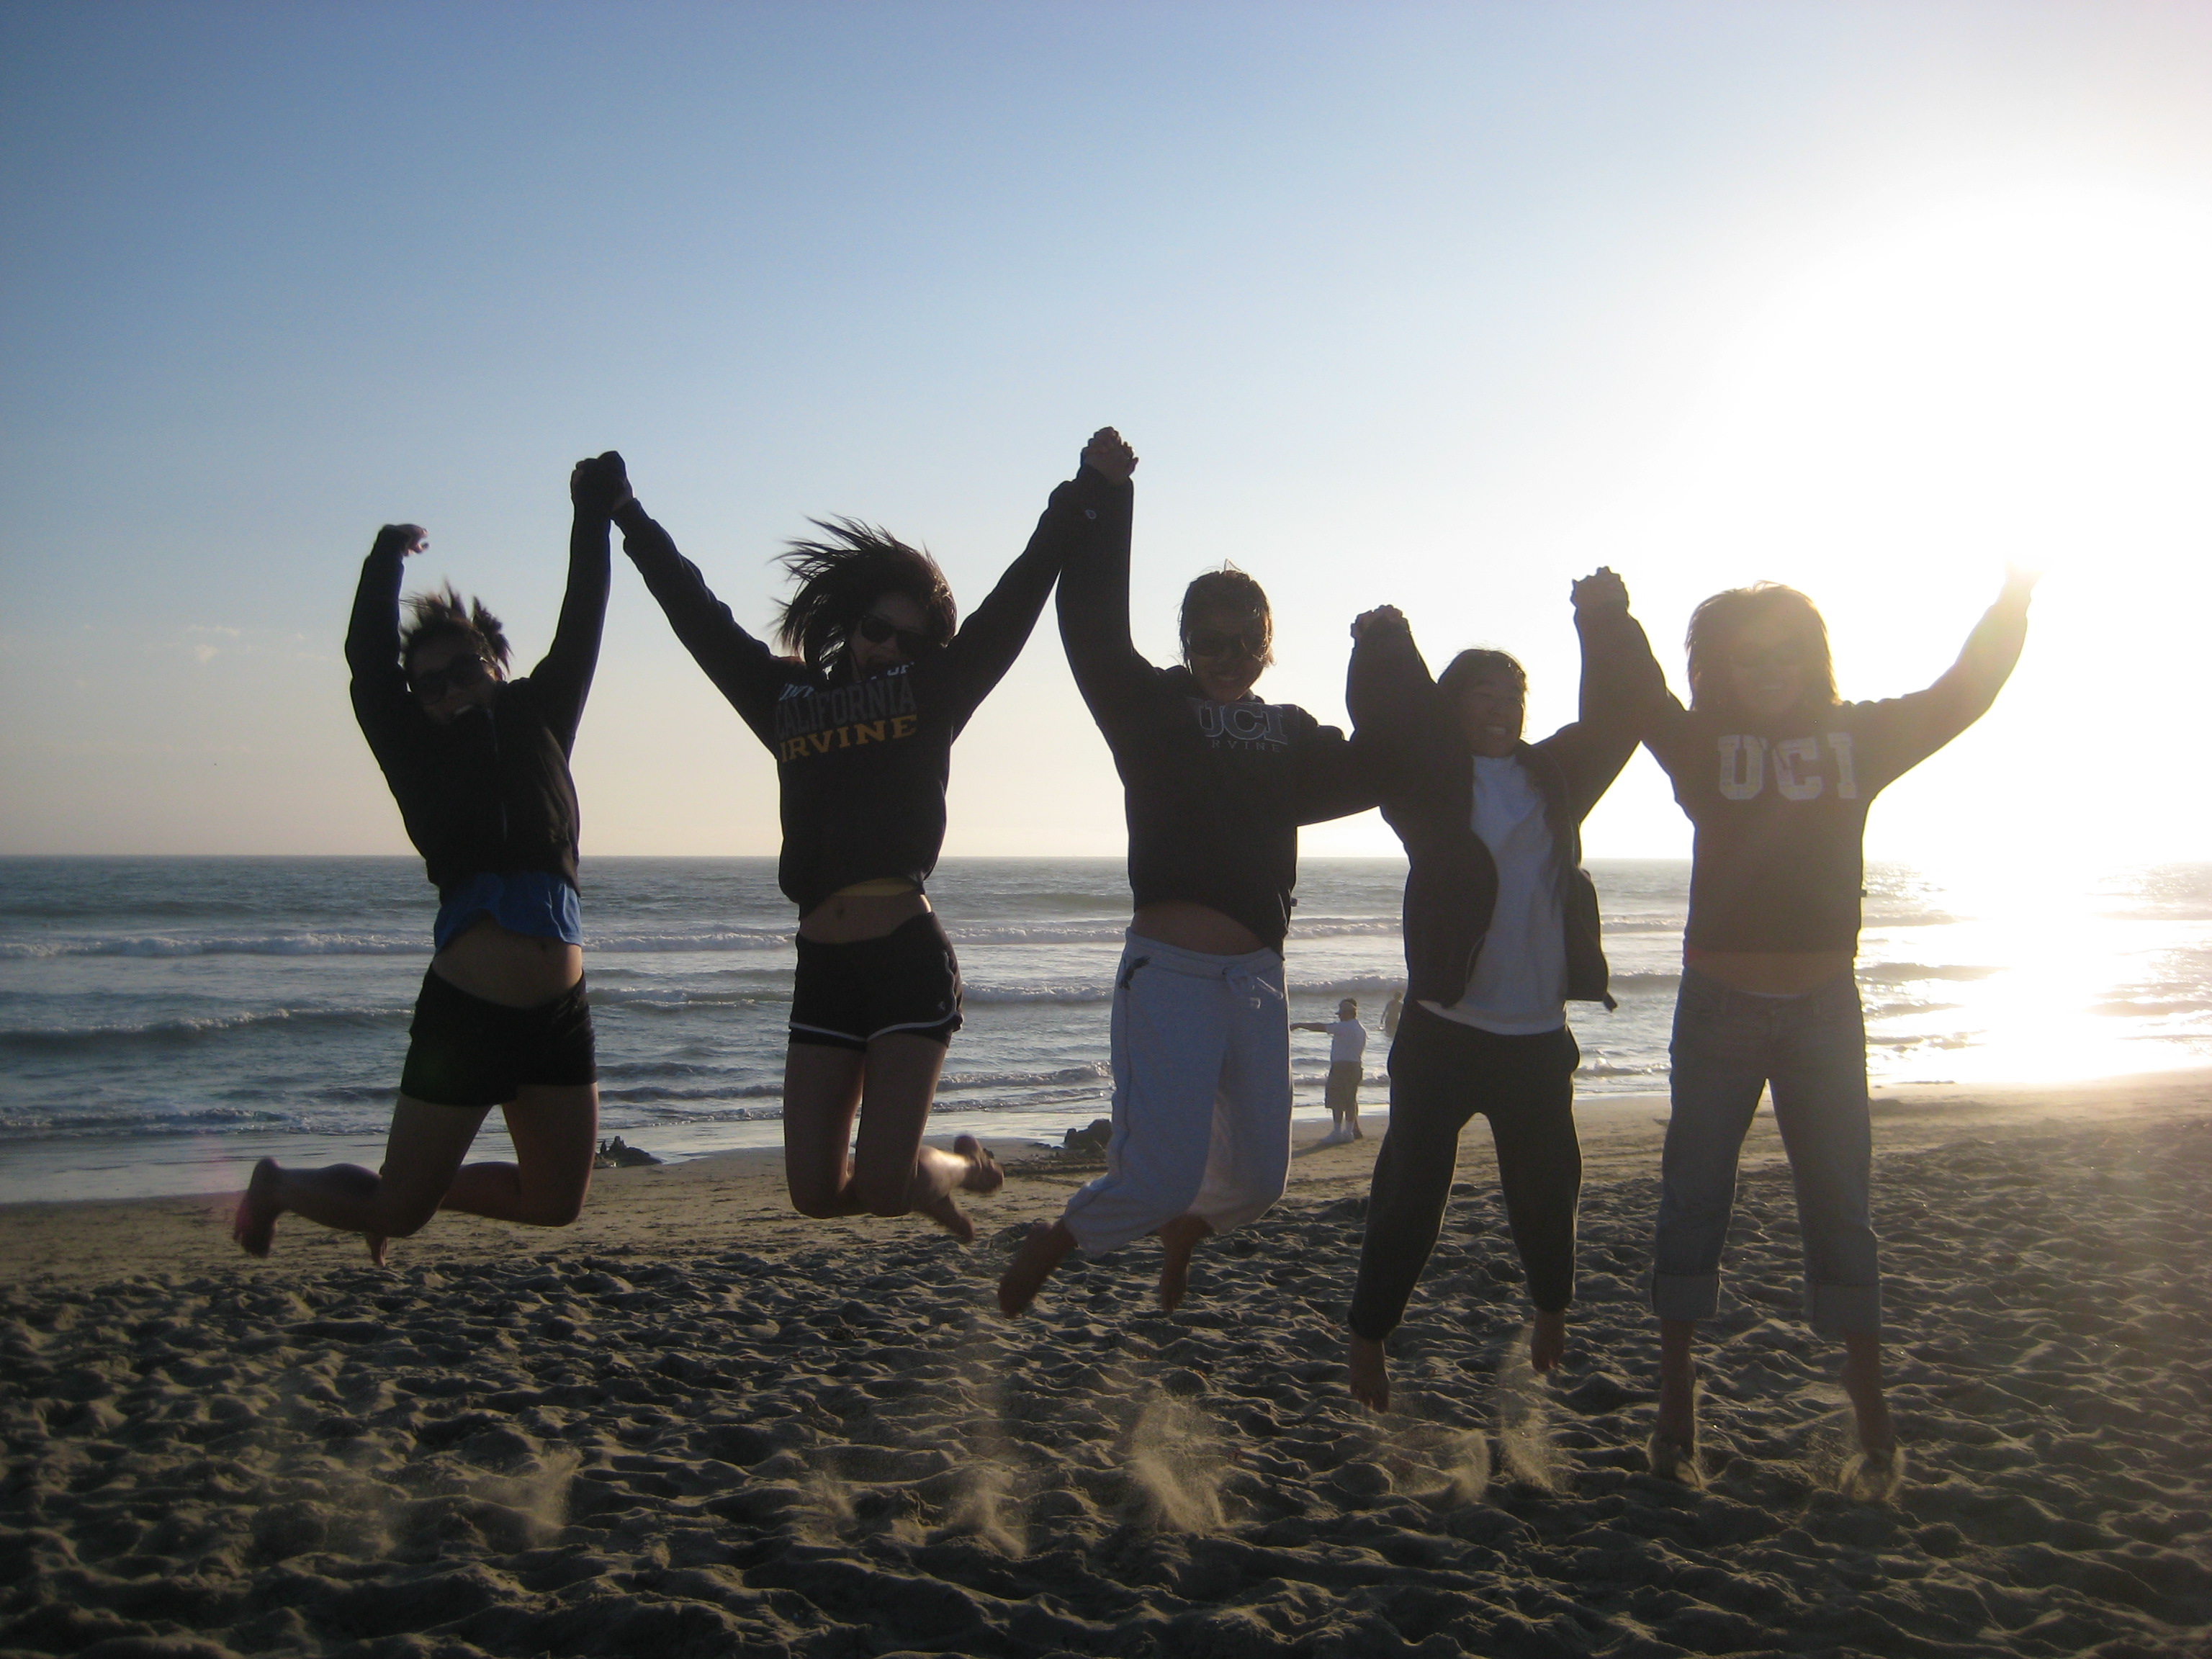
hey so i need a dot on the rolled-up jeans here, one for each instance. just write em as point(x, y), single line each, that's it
point(1811, 1051)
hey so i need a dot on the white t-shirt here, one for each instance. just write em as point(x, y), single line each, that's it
point(1347, 1042)
point(1520, 983)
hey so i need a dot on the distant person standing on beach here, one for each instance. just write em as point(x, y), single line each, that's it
point(862, 720)
point(1393, 1012)
point(479, 766)
point(1347, 1050)
point(1501, 928)
point(1217, 784)
point(1776, 774)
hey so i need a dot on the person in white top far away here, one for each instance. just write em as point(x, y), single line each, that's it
point(1347, 1050)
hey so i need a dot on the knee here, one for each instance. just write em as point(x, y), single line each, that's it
point(403, 1220)
point(815, 1205)
point(559, 1211)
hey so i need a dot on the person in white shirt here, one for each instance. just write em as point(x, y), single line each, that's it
point(1501, 927)
point(1347, 1050)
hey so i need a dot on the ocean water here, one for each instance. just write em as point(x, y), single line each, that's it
point(163, 1022)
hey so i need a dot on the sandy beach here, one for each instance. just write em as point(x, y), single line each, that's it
point(694, 1424)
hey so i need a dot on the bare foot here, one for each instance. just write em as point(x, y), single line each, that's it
point(1371, 1374)
point(984, 1175)
point(1179, 1238)
point(946, 1211)
point(377, 1243)
point(1041, 1252)
point(254, 1225)
point(1547, 1341)
point(1874, 1475)
point(1877, 1435)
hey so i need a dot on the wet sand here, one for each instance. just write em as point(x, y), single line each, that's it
point(696, 1423)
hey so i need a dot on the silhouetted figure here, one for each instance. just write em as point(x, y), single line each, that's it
point(1217, 784)
point(1776, 774)
point(861, 720)
point(1501, 926)
point(479, 766)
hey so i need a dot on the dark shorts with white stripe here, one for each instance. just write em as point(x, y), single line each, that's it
point(905, 984)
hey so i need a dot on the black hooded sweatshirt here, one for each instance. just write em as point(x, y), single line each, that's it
point(1428, 797)
point(491, 791)
point(1215, 792)
point(863, 762)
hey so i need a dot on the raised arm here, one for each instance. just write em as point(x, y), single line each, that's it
point(1963, 695)
point(371, 646)
point(1094, 604)
point(995, 631)
point(742, 668)
point(1392, 697)
point(563, 678)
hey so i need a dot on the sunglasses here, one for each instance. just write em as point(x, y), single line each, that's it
point(877, 630)
point(434, 683)
point(1213, 642)
point(1774, 656)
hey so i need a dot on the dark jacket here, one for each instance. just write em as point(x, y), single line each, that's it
point(491, 791)
point(1214, 792)
point(1428, 796)
point(863, 762)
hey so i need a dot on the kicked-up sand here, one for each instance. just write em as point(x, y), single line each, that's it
point(695, 1424)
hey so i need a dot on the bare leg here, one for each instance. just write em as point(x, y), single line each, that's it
point(1371, 1374)
point(1044, 1249)
point(1547, 1341)
point(821, 1097)
point(554, 1129)
point(1878, 1471)
point(1178, 1238)
point(1674, 1447)
point(1862, 1382)
point(421, 1155)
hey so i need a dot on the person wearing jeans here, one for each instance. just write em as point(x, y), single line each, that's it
point(1811, 1050)
point(1501, 930)
point(1776, 774)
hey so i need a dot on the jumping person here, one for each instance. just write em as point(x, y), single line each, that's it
point(479, 766)
point(1776, 774)
point(862, 720)
point(1216, 783)
point(1501, 929)
point(1347, 1048)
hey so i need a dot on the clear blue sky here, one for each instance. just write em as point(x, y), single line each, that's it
point(1438, 305)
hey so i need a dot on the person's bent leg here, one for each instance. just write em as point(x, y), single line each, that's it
point(821, 1097)
point(893, 1173)
point(1719, 1067)
point(1529, 1097)
point(555, 1128)
point(423, 1151)
point(1432, 1097)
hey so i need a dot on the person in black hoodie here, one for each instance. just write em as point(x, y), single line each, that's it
point(479, 766)
point(861, 722)
point(1217, 783)
point(1501, 930)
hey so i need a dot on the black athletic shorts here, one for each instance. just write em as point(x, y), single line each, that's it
point(908, 982)
point(468, 1052)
